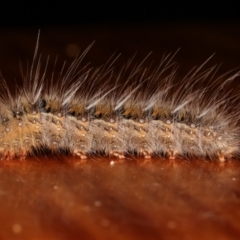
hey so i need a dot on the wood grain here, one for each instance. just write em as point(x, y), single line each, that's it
point(61, 197)
point(70, 199)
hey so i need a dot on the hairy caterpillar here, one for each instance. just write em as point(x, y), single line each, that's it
point(131, 111)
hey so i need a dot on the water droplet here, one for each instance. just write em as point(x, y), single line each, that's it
point(112, 163)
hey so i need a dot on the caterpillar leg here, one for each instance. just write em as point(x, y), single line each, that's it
point(146, 154)
point(11, 155)
point(223, 156)
point(171, 154)
point(23, 155)
point(7, 155)
point(121, 155)
point(116, 154)
point(80, 154)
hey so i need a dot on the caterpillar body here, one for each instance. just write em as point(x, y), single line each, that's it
point(135, 111)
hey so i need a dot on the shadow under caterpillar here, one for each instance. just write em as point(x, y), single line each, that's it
point(136, 111)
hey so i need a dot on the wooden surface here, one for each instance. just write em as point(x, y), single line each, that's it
point(68, 199)
point(60, 197)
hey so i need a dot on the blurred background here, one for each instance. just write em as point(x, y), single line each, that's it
point(67, 27)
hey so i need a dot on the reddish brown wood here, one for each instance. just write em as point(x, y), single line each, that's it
point(66, 198)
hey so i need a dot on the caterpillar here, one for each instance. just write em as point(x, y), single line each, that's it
point(140, 111)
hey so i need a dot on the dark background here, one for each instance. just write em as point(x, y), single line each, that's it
point(39, 14)
point(199, 29)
